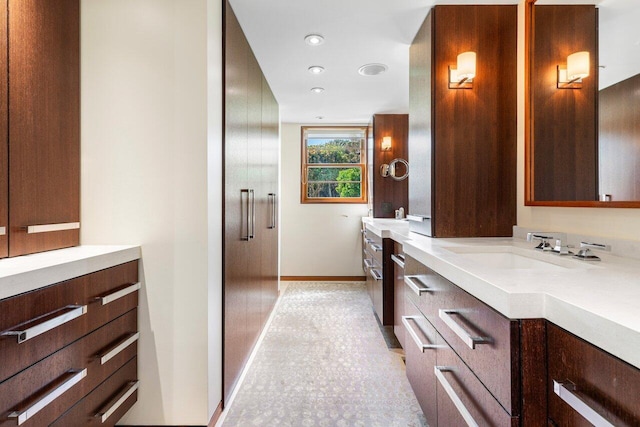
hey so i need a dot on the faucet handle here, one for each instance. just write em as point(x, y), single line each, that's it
point(561, 249)
point(543, 238)
point(585, 251)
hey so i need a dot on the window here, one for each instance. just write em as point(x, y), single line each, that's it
point(334, 165)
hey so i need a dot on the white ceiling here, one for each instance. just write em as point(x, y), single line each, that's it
point(358, 32)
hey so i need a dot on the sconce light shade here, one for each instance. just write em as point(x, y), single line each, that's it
point(577, 69)
point(462, 76)
point(386, 143)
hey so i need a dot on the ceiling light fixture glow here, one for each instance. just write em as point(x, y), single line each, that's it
point(372, 69)
point(316, 69)
point(317, 89)
point(314, 39)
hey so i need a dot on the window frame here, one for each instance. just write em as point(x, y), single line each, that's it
point(362, 165)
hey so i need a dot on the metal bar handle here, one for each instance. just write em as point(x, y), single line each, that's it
point(398, 261)
point(246, 218)
point(375, 274)
point(422, 346)
point(376, 248)
point(368, 240)
point(70, 312)
point(117, 402)
point(45, 228)
point(24, 415)
point(118, 348)
point(120, 293)
point(252, 196)
point(273, 200)
point(368, 263)
point(3, 231)
point(418, 290)
point(567, 392)
point(468, 339)
point(466, 415)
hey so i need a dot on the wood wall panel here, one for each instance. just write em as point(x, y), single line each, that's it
point(475, 129)
point(389, 194)
point(4, 136)
point(565, 120)
point(44, 127)
point(619, 140)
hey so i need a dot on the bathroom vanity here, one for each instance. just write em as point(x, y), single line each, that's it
point(499, 333)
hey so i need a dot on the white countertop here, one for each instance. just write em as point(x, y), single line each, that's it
point(597, 301)
point(29, 272)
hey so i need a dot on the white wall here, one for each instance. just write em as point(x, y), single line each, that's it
point(316, 239)
point(148, 134)
point(617, 223)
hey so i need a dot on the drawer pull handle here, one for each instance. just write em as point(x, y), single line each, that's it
point(368, 263)
point(113, 352)
point(3, 231)
point(453, 396)
point(469, 340)
point(416, 285)
point(567, 392)
point(76, 377)
point(398, 260)
point(70, 312)
point(422, 346)
point(45, 228)
point(368, 240)
point(375, 274)
point(120, 293)
point(376, 248)
point(113, 405)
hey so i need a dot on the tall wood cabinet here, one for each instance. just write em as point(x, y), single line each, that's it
point(251, 142)
point(462, 142)
point(39, 125)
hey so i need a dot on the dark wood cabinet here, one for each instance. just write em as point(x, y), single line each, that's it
point(386, 194)
point(462, 142)
point(398, 293)
point(379, 272)
point(585, 382)
point(251, 156)
point(40, 122)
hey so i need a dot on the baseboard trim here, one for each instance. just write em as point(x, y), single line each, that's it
point(216, 415)
point(323, 278)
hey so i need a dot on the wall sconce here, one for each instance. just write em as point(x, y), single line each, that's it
point(386, 143)
point(570, 77)
point(462, 76)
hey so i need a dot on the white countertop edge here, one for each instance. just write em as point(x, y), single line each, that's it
point(30, 272)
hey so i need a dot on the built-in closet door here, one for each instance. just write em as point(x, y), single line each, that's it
point(44, 124)
point(238, 199)
point(4, 141)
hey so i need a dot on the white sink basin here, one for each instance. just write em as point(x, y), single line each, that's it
point(515, 258)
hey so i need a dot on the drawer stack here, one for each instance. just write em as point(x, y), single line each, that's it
point(69, 350)
point(378, 267)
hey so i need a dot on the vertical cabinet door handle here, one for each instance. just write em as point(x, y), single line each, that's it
point(245, 214)
point(75, 376)
point(567, 392)
point(47, 322)
point(438, 370)
point(422, 346)
point(252, 196)
point(113, 405)
point(273, 209)
point(469, 340)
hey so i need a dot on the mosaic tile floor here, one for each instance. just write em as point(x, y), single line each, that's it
point(324, 362)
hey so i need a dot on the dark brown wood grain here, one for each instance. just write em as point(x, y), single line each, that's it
point(387, 193)
point(44, 126)
point(564, 133)
point(20, 309)
point(398, 296)
point(619, 140)
point(4, 136)
point(533, 356)
point(84, 412)
point(604, 382)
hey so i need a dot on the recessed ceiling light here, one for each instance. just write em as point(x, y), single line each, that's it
point(316, 69)
point(317, 89)
point(372, 69)
point(314, 39)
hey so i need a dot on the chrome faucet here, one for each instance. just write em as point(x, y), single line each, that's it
point(585, 253)
point(544, 238)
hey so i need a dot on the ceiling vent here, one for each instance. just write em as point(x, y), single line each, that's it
point(372, 69)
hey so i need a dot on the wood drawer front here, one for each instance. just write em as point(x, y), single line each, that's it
point(398, 293)
point(460, 319)
point(482, 407)
point(79, 292)
point(603, 382)
point(89, 411)
point(32, 385)
point(420, 362)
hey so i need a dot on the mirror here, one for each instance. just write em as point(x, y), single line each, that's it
point(583, 136)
